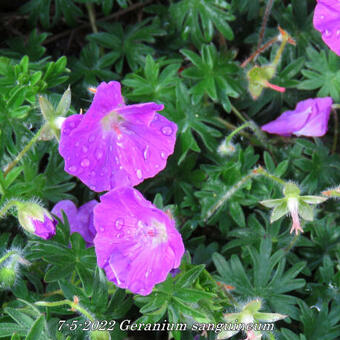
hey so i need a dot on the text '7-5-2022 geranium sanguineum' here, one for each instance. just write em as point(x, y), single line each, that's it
point(136, 244)
point(115, 144)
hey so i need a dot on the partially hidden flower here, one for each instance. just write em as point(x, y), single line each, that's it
point(115, 144)
point(293, 204)
point(80, 220)
point(326, 20)
point(136, 244)
point(248, 316)
point(36, 219)
point(310, 118)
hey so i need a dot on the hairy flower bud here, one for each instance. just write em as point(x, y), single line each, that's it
point(36, 220)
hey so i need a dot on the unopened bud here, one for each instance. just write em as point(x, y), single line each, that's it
point(7, 277)
point(36, 220)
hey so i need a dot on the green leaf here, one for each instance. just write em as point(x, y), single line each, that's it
point(36, 331)
point(186, 279)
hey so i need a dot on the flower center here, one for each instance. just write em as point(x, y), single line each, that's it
point(112, 121)
point(152, 234)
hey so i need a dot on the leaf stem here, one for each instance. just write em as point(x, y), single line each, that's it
point(336, 133)
point(264, 22)
point(72, 304)
point(7, 255)
point(262, 171)
point(92, 16)
point(228, 194)
point(22, 153)
point(9, 204)
point(291, 244)
point(238, 114)
point(236, 131)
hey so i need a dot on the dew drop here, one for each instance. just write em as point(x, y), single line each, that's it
point(156, 166)
point(92, 187)
point(101, 229)
point(120, 235)
point(77, 144)
point(117, 160)
point(99, 154)
point(85, 149)
point(163, 155)
point(72, 168)
point(91, 138)
point(66, 131)
point(328, 33)
point(119, 223)
point(85, 163)
point(111, 148)
point(120, 168)
point(337, 33)
point(72, 125)
point(167, 130)
point(145, 153)
point(93, 173)
point(322, 17)
point(139, 174)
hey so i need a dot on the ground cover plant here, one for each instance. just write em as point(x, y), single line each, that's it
point(169, 169)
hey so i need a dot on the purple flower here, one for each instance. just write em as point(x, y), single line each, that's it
point(326, 20)
point(136, 244)
point(310, 118)
point(36, 220)
point(115, 144)
point(80, 220)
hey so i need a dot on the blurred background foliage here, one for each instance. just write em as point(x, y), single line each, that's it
point(186, 54)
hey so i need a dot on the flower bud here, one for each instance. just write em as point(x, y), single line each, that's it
point(226, 148)
point(36, 220)
point(7, 277)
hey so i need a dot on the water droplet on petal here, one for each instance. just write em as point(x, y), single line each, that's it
point(322, 17)
point(163, 155)
point(156, 166)
point(66, 131)
point(93, 173)
point(85, 148)
point(85, 163)
point(145, 153)
point(91, 138)
point(72, 125)
point(99, 154)
point(119, 223)
point(328, 33)
point(337, 33)
point(101, 229)
point(92, 187)
point(120, 235)
point(77, 144)
point(167, 130)
point(72, 168)
point(139, 174)
point(111, 148)
point(117, 160)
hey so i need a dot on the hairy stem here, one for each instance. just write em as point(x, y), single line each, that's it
point(72, 304)
point(22, 153)
point(228, 194)
point(335, 137)
point(264, 22)
point(9, 204)
point(261, 171)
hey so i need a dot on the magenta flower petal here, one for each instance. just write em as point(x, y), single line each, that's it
point(80, 220)
point(310, 118)
point(44, 229)
point(115, 144)
point(136, 244)
point(327, 20)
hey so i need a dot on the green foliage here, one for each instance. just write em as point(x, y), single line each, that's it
point(214, 74)
point(198, 18)
point(186, 55)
